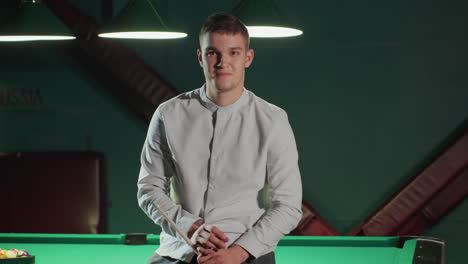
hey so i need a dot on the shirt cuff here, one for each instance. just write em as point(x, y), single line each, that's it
point(249, 242)
point(184, 224)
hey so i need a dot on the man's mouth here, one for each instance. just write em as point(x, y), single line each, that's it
point(223, 74)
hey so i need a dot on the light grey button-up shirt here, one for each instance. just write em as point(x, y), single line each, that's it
point(203, 161)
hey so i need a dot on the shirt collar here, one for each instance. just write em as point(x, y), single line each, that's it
point(207, 103)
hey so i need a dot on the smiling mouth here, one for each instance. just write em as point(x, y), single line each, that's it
point(223, 74)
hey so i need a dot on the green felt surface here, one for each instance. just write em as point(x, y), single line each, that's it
point(100, 249)
point(86, 253)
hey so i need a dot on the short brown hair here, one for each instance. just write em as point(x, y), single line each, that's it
point(224, 23)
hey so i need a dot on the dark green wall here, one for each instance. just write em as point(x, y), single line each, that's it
point(373, 91)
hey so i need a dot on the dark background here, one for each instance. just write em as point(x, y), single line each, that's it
point(374, 91)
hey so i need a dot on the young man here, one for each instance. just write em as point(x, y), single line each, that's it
point(211, 151)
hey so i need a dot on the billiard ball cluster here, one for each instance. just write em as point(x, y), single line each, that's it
point(13, 253)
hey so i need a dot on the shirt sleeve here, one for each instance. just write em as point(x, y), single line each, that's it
point(154, 180)
point(284, 182)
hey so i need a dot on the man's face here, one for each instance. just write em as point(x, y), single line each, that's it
point(224, 58)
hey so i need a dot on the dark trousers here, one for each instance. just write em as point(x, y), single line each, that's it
point(156, 259)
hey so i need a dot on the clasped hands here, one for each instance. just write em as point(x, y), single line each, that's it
point(211, 243)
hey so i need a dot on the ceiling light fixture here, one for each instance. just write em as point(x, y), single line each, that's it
point(139, 20)
point(34, 22)
point(264, 19)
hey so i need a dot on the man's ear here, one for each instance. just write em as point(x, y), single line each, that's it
point(249, 57)
point(200, 57)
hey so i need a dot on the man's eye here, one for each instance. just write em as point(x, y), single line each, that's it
point(210, 53)
point(234, 52)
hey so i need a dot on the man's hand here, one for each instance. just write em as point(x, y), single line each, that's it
point(207, 236)
point(233, 255)
point(194, 227)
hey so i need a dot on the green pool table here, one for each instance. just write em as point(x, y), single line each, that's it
point(134, 248)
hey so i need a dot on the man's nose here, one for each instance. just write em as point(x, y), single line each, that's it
point(221, 61)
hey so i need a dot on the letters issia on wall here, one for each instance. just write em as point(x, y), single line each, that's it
point(19, 97)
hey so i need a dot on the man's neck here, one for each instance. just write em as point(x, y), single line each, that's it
point(223, 98)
